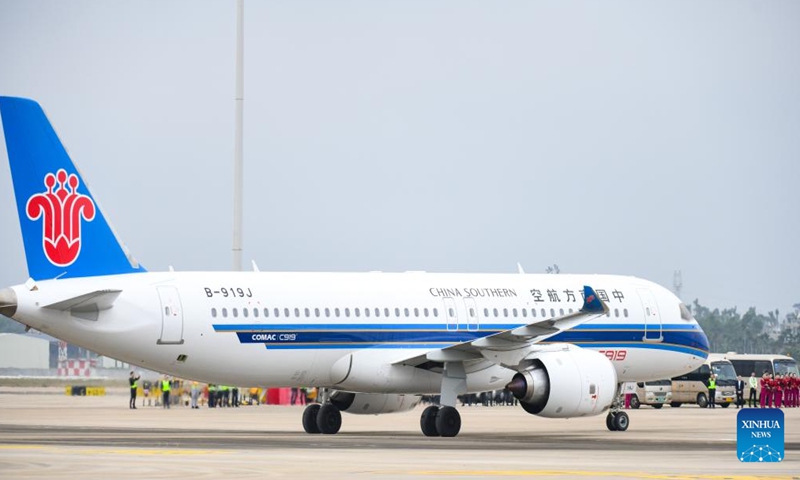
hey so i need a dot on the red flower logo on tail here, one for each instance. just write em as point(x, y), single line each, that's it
point(61, 208)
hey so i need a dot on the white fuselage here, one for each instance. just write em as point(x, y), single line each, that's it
point(291, 329)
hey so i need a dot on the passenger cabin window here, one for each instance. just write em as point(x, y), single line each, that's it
point(425, 311)
point(307, 312)
point(235, 312)
point(358, 312)
point(245, 313)
point(327, 312)
point(416, 312)
point(214, 312)
point(297, 312)
point(316, 312)
point(225, 312)
point(396, 312)
point(366, 312)
point(255, 312)
point(286, 312)
point(336, 312)
point(435, 312)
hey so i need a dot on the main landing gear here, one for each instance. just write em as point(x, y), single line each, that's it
point(325, 418)
point(617, 420)
point(445, 421)
point(439, 421)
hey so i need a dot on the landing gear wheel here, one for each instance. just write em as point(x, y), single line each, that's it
point(310, 418)
point(329, 419)
point(448, 422)
point(621, 421)
point(427, 421)
point(610, 422)
point(635, 403)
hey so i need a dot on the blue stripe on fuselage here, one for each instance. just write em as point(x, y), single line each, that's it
point(686, 338)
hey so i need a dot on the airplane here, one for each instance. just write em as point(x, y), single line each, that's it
point(373, 342)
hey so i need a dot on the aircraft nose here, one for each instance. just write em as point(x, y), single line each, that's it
point(8, 302)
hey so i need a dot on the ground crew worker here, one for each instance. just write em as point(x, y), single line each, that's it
point(753, 389)
point(195, 394)
point(712, 391)
point(223, 396)
point(212, 395)
point(165, 388)
point(134, 381)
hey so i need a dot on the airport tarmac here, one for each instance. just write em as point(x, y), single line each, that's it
point(44, 433)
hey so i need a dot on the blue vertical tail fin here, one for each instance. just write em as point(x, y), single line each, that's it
point(64, 231)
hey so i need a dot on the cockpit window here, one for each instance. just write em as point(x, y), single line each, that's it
point(685, 313)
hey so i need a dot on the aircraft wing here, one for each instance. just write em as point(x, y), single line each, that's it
point(510, 347)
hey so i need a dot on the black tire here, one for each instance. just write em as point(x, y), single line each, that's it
point(329, 419)
point(675, 404)
point(610, 422)
point(310, 418)
point(448, 422)
point(658, 405)
point(725, 405)
point(635, 403)
point(427, 422)
point(702, 400)
point(621, 421)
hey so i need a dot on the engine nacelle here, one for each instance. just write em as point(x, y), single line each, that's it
point(568, 383)
point(373, 403)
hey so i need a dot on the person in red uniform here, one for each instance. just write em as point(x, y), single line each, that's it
point(762, 398)
point(778, 391)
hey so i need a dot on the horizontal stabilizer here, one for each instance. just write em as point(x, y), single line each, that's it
point(93, 301)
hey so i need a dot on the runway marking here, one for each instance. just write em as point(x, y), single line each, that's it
point(584, 473)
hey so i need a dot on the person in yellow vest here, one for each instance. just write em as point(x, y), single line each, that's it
point(165, 388)
point(134, 381)
point(753, 398)
point(712, 391)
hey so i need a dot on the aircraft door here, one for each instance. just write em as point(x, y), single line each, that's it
point(652, 318)
point(450, 313)
point(472, 314)
point(171, 316)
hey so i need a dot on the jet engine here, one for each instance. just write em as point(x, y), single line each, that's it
point(373, 403)
point(567, 383)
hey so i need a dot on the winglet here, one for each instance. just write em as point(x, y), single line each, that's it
point(592, 302)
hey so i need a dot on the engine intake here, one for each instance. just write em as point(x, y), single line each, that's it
point(568, 383)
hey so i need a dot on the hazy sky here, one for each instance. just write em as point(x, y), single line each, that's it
point(449, 136)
